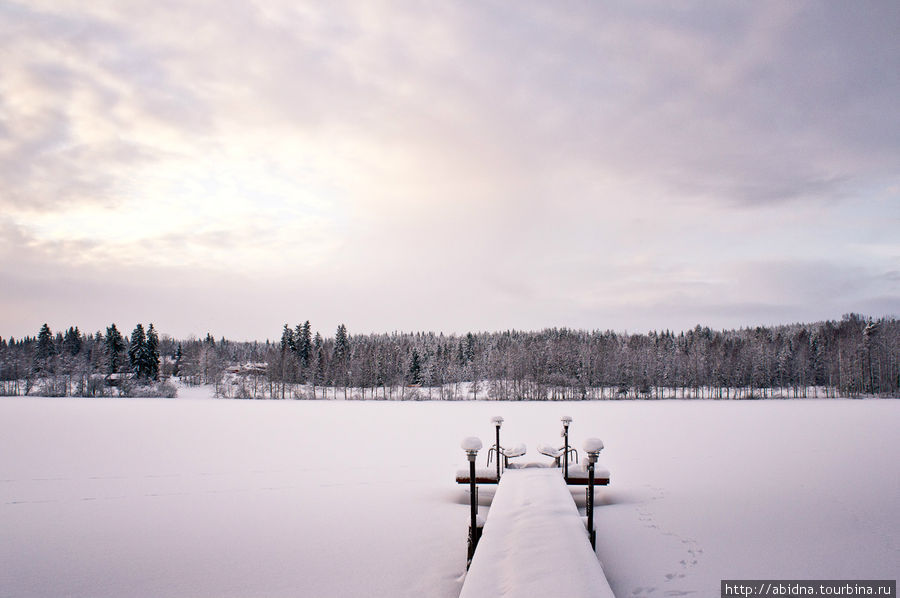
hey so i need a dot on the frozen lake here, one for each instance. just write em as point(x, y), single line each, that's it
point(200, 497)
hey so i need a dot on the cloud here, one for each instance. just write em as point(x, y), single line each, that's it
point(487, 163)
point(735, 103)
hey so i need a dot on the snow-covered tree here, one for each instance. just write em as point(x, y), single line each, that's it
point(341, 344)
point(137, 352)
point(414, 370)
point(303, 341)
point(115, 347)
point(72, 341)
point(287, 339)
point(152, 353)
point(45, 347)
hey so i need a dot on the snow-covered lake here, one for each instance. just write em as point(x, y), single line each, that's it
point(200, 497)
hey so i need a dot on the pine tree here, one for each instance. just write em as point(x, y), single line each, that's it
point(304, 343)
point(137, 352)
point(816, 359)
point(72, 341)
point(45, 351)
point(45, 347)
point(318, 342)
point(152, 353)
point(319, 355)
point(115, 345)
point(470, 347)
point(287, 339)
point(341, 344)
point(414, 372)
point(341, 357)
point(319, 378)
point(176, 370)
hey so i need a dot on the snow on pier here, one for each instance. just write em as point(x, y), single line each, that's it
point(578, 476)
point(534, 543)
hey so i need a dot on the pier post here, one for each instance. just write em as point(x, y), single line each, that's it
point(498, 421)
point(472, 445)
point(566, 420)
point(592, 446)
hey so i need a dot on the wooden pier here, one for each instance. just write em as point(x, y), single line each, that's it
point(534, 543)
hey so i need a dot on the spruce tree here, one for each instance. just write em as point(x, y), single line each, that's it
point(152, 353)
point(318, 342)
point(319, 353)
point(115, 345)
point(72, 341)
point(303, 342)
point(287, 339)
point(414, 372)
point(45, 347)
point(470, 347)
point(137, 352)
point(176, 370)
point(319, 376)
point(341, 344)
point(341, 358)
point(45, 351)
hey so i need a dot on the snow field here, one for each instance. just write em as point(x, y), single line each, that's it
point(201, 497)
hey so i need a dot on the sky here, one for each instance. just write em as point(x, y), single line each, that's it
point(229, 167)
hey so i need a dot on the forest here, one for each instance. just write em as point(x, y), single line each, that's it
point(851, 357)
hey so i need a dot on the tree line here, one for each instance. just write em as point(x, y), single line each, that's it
point(78, 364)
point(854, 356)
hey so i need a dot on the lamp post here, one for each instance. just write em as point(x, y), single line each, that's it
point(592, 446)
point(472, 445)
point(498, 421)
point(566, 420)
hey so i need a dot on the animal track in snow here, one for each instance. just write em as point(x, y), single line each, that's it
point(692, 551)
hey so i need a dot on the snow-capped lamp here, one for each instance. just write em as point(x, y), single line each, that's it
point(471, 445)
point(592, 446)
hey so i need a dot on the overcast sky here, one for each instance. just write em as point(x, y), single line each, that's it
point(232, 166)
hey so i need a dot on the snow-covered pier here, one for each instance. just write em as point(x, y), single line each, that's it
point(534, 543)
